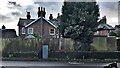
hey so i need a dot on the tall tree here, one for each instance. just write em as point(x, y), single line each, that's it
point(79, 22)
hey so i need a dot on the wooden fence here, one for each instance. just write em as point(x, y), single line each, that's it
point(26, 45)
point(19, 44)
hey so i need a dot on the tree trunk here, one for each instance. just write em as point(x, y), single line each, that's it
point(84, 47)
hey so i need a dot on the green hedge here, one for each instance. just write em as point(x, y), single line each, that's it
point(21, 54)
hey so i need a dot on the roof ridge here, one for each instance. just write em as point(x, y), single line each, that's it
point(38, 19)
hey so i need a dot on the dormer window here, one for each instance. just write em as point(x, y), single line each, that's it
point(52, 31)
point(23, 30)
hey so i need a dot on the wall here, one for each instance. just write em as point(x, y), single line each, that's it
point(19, 44)
point(104, 43)
point(23, 45)
point(41, 28)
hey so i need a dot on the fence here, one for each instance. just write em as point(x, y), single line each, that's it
point(25, 45)
point(104, 43)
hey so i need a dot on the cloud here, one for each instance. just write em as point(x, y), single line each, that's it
point(5, 18)
point(110, 9)
point(15, 13)
point(13, 3)
point(51, 7)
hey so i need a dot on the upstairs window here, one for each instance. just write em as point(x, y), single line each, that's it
point(30, 30)
point(52, 31)
point(23, 30)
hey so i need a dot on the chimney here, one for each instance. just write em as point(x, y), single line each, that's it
point(50, 17)
point(3, 27)
point(38, 12)
point(44, 13)
point(58, 16)
point(41, 12)
point(28, 15)
point(104, 19)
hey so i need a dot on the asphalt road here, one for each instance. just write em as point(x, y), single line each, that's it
point(38, 64)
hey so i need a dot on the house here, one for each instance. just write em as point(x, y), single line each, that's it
point(117, 27)
point(7, 33)
point(29, 28)
point(103, 29)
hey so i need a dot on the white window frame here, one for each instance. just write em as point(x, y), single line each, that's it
point(23, 30)
point(29, 30)
point(50, 31)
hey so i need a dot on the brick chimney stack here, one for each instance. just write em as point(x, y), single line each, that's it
point(50, 17)
point(104, 19)
point(3, 27)
point(41, 13)
point(28, 15)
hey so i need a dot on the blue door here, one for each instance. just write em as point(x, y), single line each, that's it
point(45, 52)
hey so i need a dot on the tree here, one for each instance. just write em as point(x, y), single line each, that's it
point(79, 22)
point(112, 33)
point(115, 33)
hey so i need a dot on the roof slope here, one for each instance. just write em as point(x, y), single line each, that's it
point(8, 33)
point(51, 23)
point(103, 26)
point(23, 22)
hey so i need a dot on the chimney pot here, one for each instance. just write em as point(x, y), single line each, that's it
point(38, 8)
point(3, 27)
point(44, 9)
point(50, 17)
point(41, 8)
point(28, 15)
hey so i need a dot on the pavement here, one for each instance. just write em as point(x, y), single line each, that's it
point(44, 64)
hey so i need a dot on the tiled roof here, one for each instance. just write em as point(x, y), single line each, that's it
point(30, 36)
point(117, 26)
point(23, 22)
point(51, 23)
point(8, 33)
point(103, 26)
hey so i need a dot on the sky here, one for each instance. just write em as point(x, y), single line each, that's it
point(12, 10)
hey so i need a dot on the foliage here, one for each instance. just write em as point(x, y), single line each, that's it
point(112, 33)
point(79, 22)
point(118, 33)
point(37, 36)
point(115, 33)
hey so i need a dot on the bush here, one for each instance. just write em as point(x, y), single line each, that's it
point(25, 54)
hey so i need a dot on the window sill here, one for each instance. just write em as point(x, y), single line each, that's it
point(23, 33)
point(52, 34)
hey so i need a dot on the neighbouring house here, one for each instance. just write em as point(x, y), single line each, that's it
point(117, 27)
point(103, 28)
point(42, 27)
point(7, 33)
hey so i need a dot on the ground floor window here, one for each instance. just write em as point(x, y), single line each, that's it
point(23, 30)
point(30, 30)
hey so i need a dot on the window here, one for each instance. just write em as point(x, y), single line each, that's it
point(52, 31)
point(30, 30)
point(23, 30)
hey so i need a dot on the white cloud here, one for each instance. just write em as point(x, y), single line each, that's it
point(105, 9)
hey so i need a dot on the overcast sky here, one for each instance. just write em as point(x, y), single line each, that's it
point(12, 10)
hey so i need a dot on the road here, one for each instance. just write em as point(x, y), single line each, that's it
point(38, 64)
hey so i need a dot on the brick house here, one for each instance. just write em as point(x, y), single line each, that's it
point(103, 29)
point(7, 33)
point(41, 26)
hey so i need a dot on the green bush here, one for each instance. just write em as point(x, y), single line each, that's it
point(25, 54)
